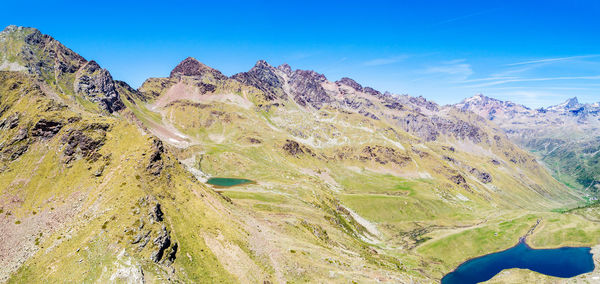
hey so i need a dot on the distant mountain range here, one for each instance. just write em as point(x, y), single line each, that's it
point(565, 136)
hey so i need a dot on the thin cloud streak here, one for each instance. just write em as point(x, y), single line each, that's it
point(455, 69)
point(543, 88)
point(464, 17)
point(546, 60)
point(502, 81)
point(385, 61)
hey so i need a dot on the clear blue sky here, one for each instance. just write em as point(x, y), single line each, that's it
point(532, 52)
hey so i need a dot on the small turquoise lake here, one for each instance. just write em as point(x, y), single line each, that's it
point(227, 182)
point(562, 262)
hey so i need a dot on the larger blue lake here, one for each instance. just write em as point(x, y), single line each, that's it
point(562, 262)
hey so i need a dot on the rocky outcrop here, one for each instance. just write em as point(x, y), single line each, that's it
point(430, 128)
point(78, 144)
point(285, 68)
point(423, 103)
point(162, 242)
point(420, 125)
point(350, 83)
point(96, 85)
point(293, 148)
point(383, 155)
point(16, 146)
point(192, 67)
point(45, 128)
point(264, 77)
point(155, 163)
point(165, 249)
point(481, 175)
point(84, 142)
point(460, 180)
point(156, 214)
point(154, 235)
point(307, 89)
point(42, 55)
point(10, 122)
point(50, 61)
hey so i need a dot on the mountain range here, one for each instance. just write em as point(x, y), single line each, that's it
point(101, 182)
point(566, 137)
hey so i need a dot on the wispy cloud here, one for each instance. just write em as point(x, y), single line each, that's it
point(546, 60)
point(457, 68)
point(543, 88)
point(500, 81)
point(385, 61)
point(464, 17)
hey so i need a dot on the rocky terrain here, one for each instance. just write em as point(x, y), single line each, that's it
point(565, 137)
point(100, 182)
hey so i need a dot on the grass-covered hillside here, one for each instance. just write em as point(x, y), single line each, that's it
point(100, 182)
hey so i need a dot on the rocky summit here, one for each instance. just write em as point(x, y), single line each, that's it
point(101, 182)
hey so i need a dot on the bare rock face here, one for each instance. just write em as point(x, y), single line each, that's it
point(422, 102)
point(97, 85)
point(372, 92)
point(460, 129)
point(155, 165)
point(481, 175)
point(162, 242)
point(383, 155)
point(56, 57)
point(15, 147)
point(46, 128)
point(350, 83)
point(156, 214)
point(155, 235)
point(285, 68)
point(48, 60)
point(79, 144)
point(293, 148)
point(419, 125)
point(460, 180)
point(307, 89)
point(430, 128)
point(264, 77)
point(192, 67)
point(10, 122)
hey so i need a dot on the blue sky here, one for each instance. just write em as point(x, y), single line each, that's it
point(533, 52)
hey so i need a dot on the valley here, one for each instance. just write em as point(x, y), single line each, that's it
point(272, 175)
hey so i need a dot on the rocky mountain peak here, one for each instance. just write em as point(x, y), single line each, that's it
point(262, 64)
point(46, 59)
point(285, 68)
point(350, 83)
point(566, 105)
point(12, 29)
point(479, 99)
point(192, 67)
point(310, 75)
point(265, 78)
point(572, 102)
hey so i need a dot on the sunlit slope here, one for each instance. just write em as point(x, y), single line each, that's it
point(104, 183)
point(401, 185)
point(86, 187)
